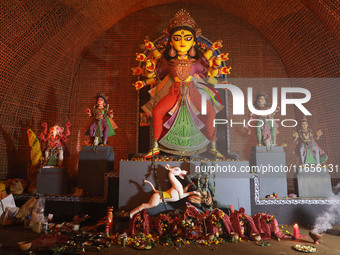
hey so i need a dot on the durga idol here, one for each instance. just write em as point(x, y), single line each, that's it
point(178, 77)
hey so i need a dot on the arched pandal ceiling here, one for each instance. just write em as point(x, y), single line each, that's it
point(294, 27)
point(41, 45)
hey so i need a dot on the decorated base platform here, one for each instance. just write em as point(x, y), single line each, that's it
point(67, 205)
point(52, 180)
point(94, 162)
point(268, 163)
point(238, 190)
point(232, 186)
point(302, 210)
point(314, 182)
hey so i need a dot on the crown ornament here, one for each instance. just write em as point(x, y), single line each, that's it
point(304, 119)
point(102, 95)
point(182, 18)
point(261, 93)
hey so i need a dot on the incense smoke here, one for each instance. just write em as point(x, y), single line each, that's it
point(331, 216)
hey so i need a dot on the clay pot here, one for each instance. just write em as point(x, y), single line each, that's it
point(315, 236)
point(255, 237)
point(24, 246)
point(234, 235)
point(211, 237)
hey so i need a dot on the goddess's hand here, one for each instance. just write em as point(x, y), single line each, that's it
point(87, 111)
point(138, 85)
point(225, 70)
point(216, 45)
point(140, 57)
point(149, 45)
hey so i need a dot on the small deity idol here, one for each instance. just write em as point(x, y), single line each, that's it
point(310, 152)
point(101, 126)
point(54, 140)
point(266, 128)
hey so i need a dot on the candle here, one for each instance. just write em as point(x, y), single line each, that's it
point(296, 231)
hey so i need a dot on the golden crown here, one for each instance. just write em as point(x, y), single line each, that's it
point(183, 18)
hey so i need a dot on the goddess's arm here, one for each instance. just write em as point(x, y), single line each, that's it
point(215, 62)
point(44, 125)
point(150, 66)
point(216, 45)
point(68, 124)
point(161, 69)
point(150, 46)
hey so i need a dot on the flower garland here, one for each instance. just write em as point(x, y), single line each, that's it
point(219, 223)
point(244, 224)
point(140, 223)
point(163, 224)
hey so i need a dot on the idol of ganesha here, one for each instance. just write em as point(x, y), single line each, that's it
point(178, 76)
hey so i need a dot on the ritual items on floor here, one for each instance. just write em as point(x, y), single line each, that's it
point(267, 226)
point(176, 70)
point(173, 228)
point(8, 215)
point(24, 246)
point(218, 223)
point(101, 125)
point(109, 223)
point(7, 202)
point(315, 236)
point(207, 227)
point(25, 211)
point(193, 223)
point(164, 224)
point(38, 218)
point(244, 225)
point(140, 223)
point(17, 186)
point(305, 248)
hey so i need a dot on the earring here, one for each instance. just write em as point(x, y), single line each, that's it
point(192, 52)
point(172, 52)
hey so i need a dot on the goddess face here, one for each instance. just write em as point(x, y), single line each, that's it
point(261, 101)
point(304, 125)
point(182, 41)
point(100, 101)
